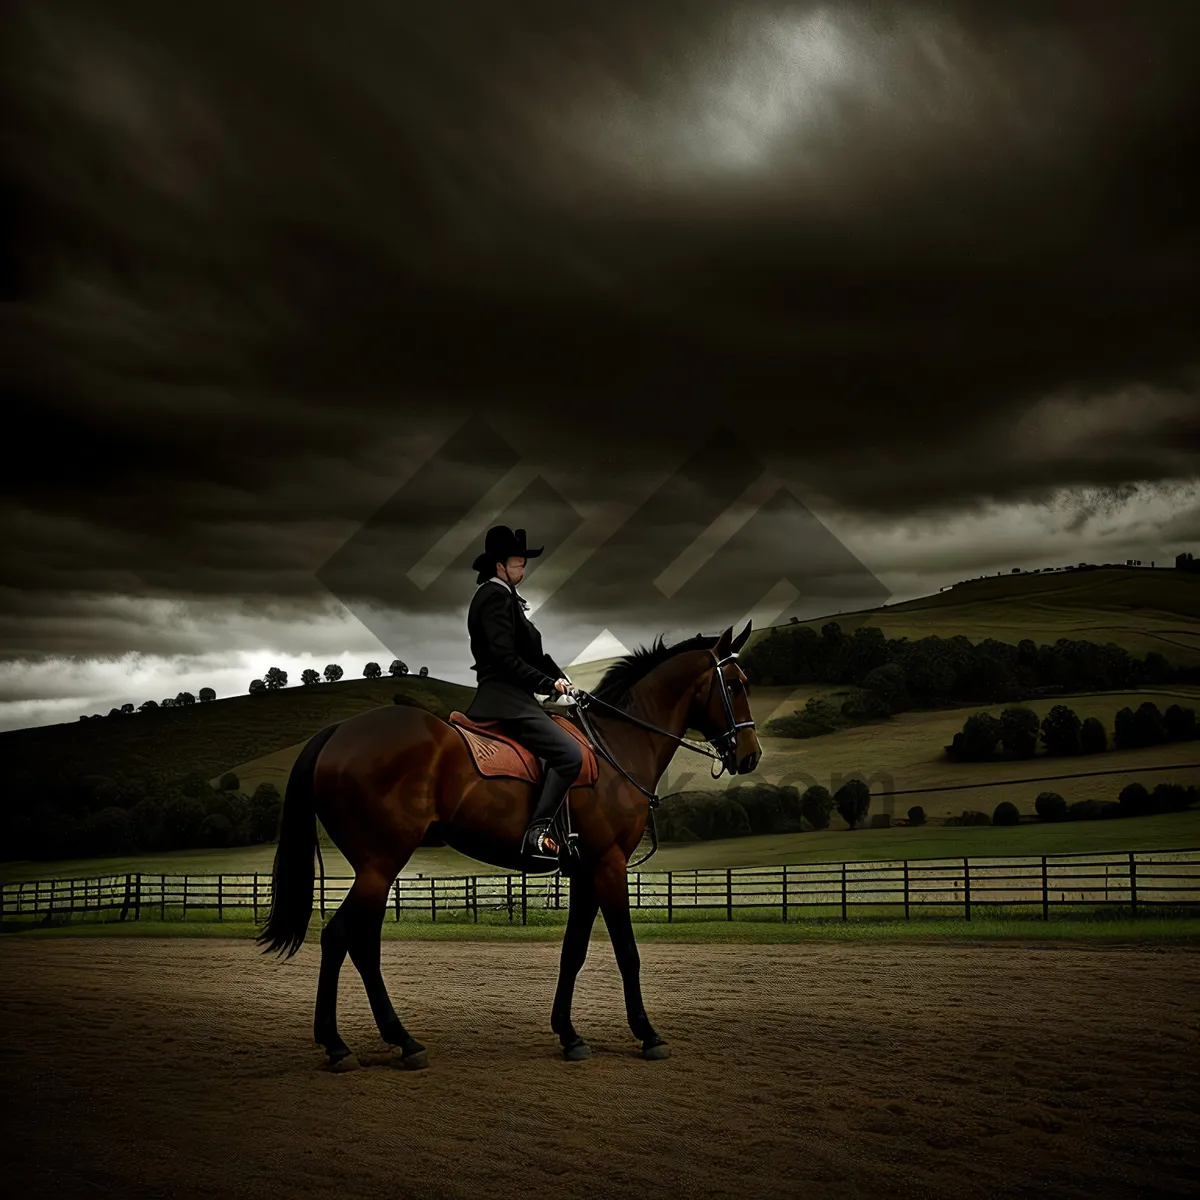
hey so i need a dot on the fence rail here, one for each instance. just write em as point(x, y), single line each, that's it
point(1139, 880)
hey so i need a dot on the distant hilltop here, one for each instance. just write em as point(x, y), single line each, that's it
point(1183, 562)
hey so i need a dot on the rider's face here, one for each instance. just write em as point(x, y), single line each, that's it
point(513, 570)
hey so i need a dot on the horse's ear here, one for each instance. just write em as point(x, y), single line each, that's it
point(740, 640)
point(721, 649)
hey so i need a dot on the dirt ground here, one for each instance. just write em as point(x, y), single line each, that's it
point(163, 1068)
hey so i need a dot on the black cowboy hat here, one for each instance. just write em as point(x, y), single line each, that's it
point(501, 543)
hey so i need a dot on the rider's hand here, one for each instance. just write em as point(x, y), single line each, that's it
point(563, 685)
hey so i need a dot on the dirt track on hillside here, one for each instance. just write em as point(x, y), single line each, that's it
point(148, 1067)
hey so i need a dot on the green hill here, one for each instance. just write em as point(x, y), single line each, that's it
point(162, 746)
point(1137, 608)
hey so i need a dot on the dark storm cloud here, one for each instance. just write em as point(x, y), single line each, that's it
point(921, 254)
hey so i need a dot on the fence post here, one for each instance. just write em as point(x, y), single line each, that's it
point(1132, 883)
point(843, 891)
point(396, 896)
point(729, 893)
point(906, 913)
point(220, 897)
point(128, 896)
point(432, 898)
point(967, 886)
point(670, 895)
point(162, 897)
point(524, 896)
point(256, 897)
point(185, 883)
point(137, 897)
point(1045, 891)
point(508, 896)
point(475, 896)
point(785, 895)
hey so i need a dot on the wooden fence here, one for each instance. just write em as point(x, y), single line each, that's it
point(1139, 880)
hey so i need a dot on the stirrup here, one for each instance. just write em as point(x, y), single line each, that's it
point(534, 835)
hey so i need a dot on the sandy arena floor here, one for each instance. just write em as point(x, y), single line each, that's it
point(159, 1068)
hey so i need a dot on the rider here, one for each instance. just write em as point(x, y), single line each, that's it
point(511, 668)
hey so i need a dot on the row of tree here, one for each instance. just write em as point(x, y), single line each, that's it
point(1134, 800)
point(1017, 732)
point(936, 671)
point(184, 819)
point(277, 678)
point(274, 679)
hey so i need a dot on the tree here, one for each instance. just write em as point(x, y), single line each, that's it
point(215, 830)
point(815, 806)
point(184, 699)
point(309, 677)
point(333, 673)
point(423, 672)
point(916, 815)
point(127, 709)
point(398, 667)
point(1180, 723)
point(853, 801)
point(1018, 732)
point(230, 782)
point(275, 678)
point(257, 685)
point(168, 702)
point(1005, 813)
point(148, 706)
point(206, 695)
point(1124, 732)
point(1134, 800)
point(980, 733)
point(1149, 729)
point(372, 670)
point(1092, 737)
point(1060, 731)
point(266, 806)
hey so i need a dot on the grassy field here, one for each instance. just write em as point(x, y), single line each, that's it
point(1169, 831)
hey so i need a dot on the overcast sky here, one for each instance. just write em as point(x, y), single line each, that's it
point(753, 309)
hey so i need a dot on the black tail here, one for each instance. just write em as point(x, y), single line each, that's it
point(293, 873)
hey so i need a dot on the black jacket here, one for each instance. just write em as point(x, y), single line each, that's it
point(510, 665)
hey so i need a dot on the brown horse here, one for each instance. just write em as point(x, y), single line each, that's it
point(389, 780)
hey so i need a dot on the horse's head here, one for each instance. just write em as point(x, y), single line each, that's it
point(720, 707)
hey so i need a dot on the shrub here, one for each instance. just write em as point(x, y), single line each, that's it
point(229, 782)
point(207, 695)
point(974, 817)
point(182, 818)
point(853, 801)
point(215, 830)
point(107, 832)
point(816, 805)
point(1124, 733)
point(1005, 813)
point(1083, 810)
point(916, 815)
point(1107, 808)
point(1093, 739)
point(1050, 806)
point(145, 825)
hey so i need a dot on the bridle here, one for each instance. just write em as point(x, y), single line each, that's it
point(723, 745)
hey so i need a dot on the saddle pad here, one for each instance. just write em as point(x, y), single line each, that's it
point(495, 753)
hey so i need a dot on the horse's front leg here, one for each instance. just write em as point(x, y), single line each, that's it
point(580, 919)
point(612, 890)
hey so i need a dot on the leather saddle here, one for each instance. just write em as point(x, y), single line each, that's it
point(495, 753)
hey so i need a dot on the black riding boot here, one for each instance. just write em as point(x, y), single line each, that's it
point(554, 787)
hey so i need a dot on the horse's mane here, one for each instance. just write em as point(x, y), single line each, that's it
point(615, 685)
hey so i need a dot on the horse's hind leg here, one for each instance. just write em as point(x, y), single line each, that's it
point(364, 909)
point(333, 954)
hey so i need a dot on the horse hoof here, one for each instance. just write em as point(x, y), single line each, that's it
point(577, 1051)
point(415, 1061)
point(656, 1051)
point(347, 1062)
